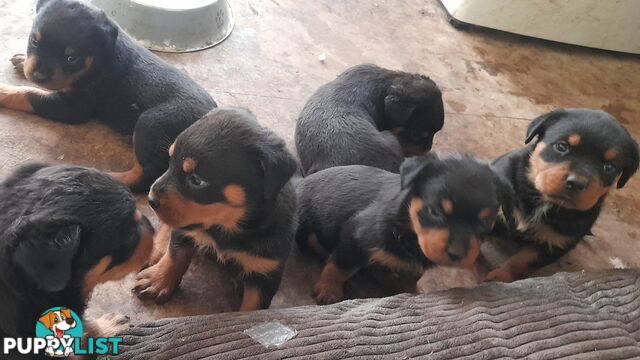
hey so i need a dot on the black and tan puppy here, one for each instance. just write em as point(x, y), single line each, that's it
point(91, 69)
point(435, 212)
point(64, 230)
point(369, 116)
point(561, 181)
point(226, 191)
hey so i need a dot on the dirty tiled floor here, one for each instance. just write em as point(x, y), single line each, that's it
point(493, 83)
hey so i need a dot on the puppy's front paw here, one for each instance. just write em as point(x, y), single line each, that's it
point(108, 325)
point(155, 283)
point(500, 274)
point(18, 62)
point(327, 292)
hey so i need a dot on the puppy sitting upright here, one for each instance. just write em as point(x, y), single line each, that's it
point(64, 230)
point(92, 70)
point(359, 216)
point(561, 181)
point(369, 116)
point(226, 191)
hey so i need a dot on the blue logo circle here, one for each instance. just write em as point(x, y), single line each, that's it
point(59, 322)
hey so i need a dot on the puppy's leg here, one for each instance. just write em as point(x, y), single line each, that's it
point(18, 62)
point(50, 105)
point(345, 261)
point(160, 281)
point(516, 267)
point(258, 291)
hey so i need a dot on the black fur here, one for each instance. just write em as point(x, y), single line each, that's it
point(354, 209)
point(598, 132)
point(231, 148)
point(127, 87)
point(59, 222)
point(368, 116)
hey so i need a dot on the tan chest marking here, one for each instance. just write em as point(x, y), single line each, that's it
point(384, 258)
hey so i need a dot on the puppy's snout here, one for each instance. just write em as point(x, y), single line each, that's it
point(575, 183)
point(70, 321)
point(154, 202)
point(456, 252)
point(38, 77)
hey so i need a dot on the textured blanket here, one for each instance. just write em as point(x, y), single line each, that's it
point(569, 315)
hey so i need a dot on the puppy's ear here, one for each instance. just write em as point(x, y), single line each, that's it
point(539, 125)
point(631, 162)
point(47, 319)
point(277, 163)
point(45, 251)
point(412, 167)
point(107, 29)
point(506, 196)
point(42, 3)
point(395, 109)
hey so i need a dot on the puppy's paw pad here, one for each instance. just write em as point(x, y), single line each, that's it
point(500, 275)
point(153, 284)
point(18, 61)
point(327, 293)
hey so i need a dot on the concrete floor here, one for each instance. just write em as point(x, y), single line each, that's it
point(493, 84)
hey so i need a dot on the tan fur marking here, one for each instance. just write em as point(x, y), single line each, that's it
point(37, 35)
point(485, 213)
point(188, 165)
point(447, 206)
point(172, 149)
point(548, 178)
point(516, 267)
point(165, 276)
point(63, 82)
point(393, 262)
point(234, 194)
point(574, 140)
point(99, 273)
point(16, 97)
point(250, 299)
point(131, 177)
point(179, 212)
point(316, 247)
point(330, 286)
point(611, 154)
point(433, 242)
point(160, 243)
point(252, 263)
point(29, 66)
point(592, 194)
point(545, 235)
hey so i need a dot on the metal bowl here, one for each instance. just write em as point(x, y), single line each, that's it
point(172, 25)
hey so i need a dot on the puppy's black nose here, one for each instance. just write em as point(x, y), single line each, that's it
point(38, 77)
point(155, 204)
point(456, 252)
point(575, 183)
point(70, 321)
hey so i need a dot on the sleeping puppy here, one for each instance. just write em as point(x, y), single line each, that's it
point(65, 230)
point(561, 180)
point(226, 191)
point(368, 116)
point(359, 216)
point(91, 69)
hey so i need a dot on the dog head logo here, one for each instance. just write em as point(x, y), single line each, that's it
point(59, 326)
point(59, 321)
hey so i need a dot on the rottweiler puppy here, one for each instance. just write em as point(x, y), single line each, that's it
point(436, 211)
point(65, 229)
point(576, 157)
point(227, 191)
point(91, 69)
point(369, 116)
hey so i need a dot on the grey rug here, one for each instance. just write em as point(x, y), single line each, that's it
point(569, 315)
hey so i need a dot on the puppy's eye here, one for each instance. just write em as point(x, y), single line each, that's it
point(609, 167)
point(561, 147)
point(486, 224)
point(72, 59)
point(195, 180)
point(34, 42)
